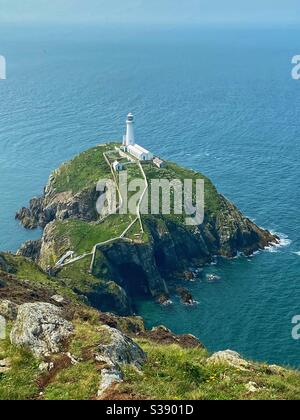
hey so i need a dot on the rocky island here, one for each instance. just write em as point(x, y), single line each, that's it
point(68, 298)
point(138, 263)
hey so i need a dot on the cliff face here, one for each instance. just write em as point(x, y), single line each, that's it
point(141, 265)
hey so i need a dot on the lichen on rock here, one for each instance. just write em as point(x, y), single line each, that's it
point(41, 328)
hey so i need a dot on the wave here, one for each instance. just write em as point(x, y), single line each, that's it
point(283, 242)
point(297, 253)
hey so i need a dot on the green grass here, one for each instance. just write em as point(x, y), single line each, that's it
point(175, 373)
point(87, 336)
point(175, 172)
point(82, 236)
point(170, 373)
point(84, 171)
point(77, 276)
point(79, 382)
point(26, 269)
point(20, 382)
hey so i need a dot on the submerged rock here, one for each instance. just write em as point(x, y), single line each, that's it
point(41, 328)
point(185, 296)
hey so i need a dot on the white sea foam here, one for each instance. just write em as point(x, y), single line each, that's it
point(284, 242)
point(297, 253)
point(212, 277)
point(167, 302)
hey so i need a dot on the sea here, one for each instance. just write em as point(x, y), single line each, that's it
point(217, 99)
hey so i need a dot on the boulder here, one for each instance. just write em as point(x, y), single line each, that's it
point(120, 350)
point(4, 365)
point(230, 358)
point(8, 310)
point(41, 328)
point(252, 387)
point(58, 299)
point(109, 377)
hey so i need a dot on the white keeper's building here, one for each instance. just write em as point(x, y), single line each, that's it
point(129, 144)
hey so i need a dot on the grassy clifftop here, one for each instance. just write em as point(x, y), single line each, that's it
point(82, 172)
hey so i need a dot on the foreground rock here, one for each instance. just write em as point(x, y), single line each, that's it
point(120, 350)
point(5, 365)
point(230, 358)
point(8, 310)
point(41, 328)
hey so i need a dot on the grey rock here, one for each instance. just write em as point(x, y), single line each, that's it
point(41, 328)
point(5, 365)
point(252, 387)
point(30, 249)
point(58, 299)
point(276, 370)
point(108, 378)
point(46, 367)
point(230, 358)
point(121, 350)
point(8, 310)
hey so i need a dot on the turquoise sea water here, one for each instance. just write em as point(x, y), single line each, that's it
point(218, 100)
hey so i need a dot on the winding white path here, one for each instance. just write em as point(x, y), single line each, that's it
point(61, 262)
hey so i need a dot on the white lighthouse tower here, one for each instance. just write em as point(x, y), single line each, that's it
point(129, 137)
point(129, 144)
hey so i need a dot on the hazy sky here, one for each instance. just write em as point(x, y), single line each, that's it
point(150, 11)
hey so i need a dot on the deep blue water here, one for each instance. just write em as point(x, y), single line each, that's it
point(218, 100)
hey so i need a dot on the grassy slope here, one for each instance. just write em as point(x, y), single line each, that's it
point(170, 373)
point(27, 270)
point(84, 171)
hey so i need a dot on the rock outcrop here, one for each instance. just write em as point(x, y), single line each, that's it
point(8, 310)
point(121, 350)
point(41, 328)
point(230, 358)
point(60, 206)
point(31, 249)
point(163, 336)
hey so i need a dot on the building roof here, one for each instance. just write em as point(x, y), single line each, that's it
point(158, 160)
point(138, 148)
point(116, 162)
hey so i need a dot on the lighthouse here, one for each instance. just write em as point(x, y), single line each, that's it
point(129, 144)
point(129, 137)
